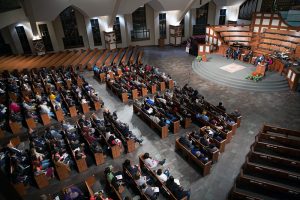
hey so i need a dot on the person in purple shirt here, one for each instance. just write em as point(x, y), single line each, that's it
point(73, 193)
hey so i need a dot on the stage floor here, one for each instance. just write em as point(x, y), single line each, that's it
point(232, 73)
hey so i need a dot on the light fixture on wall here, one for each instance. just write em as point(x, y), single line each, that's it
point(36, 37)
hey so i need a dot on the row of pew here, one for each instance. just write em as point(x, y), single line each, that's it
point(81, 59)
point(271, 169)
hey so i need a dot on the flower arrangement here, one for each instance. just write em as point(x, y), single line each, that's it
point(199, 58)
point(255, 77)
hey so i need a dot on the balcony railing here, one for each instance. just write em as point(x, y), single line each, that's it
point(139, 35)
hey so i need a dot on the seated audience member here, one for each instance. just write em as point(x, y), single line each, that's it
point(133, 169)
point(114, 178)
point(206, 141)
point(176, 189)
point(46, 109)
point(212, 133)
point(268, 62)
point(152, 192)
point(236, 53)
point(236, 113)
point(203, 116)
point(228, 52)
point(100, 196)
point(248, 56)
point(259, 59)
point(14, 107)
point(163, 176)
point(152, 163)
point(149, 101)
point(185, 141)
point(140, 179)
point(221, 107)
point(73, 193)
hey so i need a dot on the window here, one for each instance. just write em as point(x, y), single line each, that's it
point(96, 32)
point(139, 19)
point(72, 38)
point(162, 25)
point(7, 5)
point(140, 31)
point(46, 37)
point(201, 20)
point(23, 39)
point(247, 9)
point(117, 29)
point(222, 17)
point(4, 48)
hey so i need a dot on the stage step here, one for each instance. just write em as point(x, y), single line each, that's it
point(213, 73)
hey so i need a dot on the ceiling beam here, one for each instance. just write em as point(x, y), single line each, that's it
point(29, 14)
point(185, 10)
point(114, 13)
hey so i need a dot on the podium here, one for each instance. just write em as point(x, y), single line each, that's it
point(204, 49)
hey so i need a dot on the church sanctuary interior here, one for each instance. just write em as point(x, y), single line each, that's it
point(149, 99)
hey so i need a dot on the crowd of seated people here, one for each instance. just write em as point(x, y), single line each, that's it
point(122, 127)
point(15, 163)
point(107, 133)
point(164, 176)
point(89, 133)
point(134, 77)
point(33, 93)
point(40, 156)
point(58, 148)
point(190, 97)
point(196, 150)
point(75, 140)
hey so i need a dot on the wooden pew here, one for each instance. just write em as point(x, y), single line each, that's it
point(277, 175)
point(129, 143)
point(72, 108)
point(117, 192)
point(205, 167)
point(111, 57)
point(133, 184)
point(102, 58)
point(98, 157)
point(93, 60)
point(84, 62)
point(214, 156)
point(140, 58)
point(57, 59)
point(115, 150)
point(116, 60)
point(76, 62)
point(64, 59)
point(80, 163)
point(123, 96)
point(19, 187)
point(163, 131)
point(175, 125)
point(126, 56)
point(133, 57)
point(269, 188)
point(220, 145)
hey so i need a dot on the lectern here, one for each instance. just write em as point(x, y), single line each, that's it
point(293, 77)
